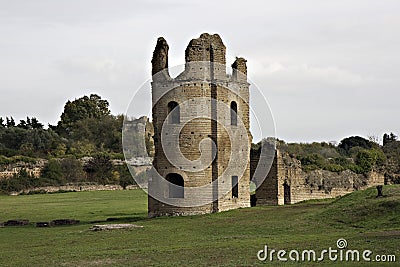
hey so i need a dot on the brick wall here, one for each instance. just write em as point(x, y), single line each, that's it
point(201, 91)
point(286, 174)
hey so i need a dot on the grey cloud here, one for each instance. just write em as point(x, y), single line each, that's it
point(328, 68)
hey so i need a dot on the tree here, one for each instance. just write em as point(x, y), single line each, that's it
point(80, 109)
point(81, 148)
point(22, 124)
point(10, 122)
point(33, 123)
point(374, 138)
point(392, 151)
point(13, 137)
point(125, 176)
point(99, 169)
point(26, 149)
point(104, 133)
point(387, 138)
point(60, 150)
point(53, 172)
point(44, 141)
point(72, 169)
point(354, 141)
point(368, 158)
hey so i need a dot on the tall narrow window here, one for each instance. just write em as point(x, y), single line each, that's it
point(235, 191)
point(233, 113)
point(286, 193)
point(176, 186)
point(174, 112)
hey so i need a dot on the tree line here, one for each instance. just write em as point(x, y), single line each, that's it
point(86, 129)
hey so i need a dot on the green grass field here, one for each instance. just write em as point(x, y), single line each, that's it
point(224, 239)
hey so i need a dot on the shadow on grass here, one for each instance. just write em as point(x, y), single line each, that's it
point(127, 219)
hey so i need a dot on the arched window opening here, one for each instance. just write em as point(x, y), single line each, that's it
point(235, 191)
point(174, 112)
point(286, 193)
point(176, 186)
point(233, 113)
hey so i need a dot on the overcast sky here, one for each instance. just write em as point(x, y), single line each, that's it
point(329, 69)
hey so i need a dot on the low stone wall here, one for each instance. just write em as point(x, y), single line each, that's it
point(302, 194)
point(320, 184)
point(138, 164)
point(52, 189)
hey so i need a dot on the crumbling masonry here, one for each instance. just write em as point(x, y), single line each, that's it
point(175, 105)
point(177, 115)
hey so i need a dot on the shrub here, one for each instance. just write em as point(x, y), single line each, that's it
point(334, 168)
point(53, 172)
point(313, 161)
point(99, 169)
point(367, 159)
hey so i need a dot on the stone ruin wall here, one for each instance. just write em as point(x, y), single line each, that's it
point(33, 169)
point(204, 76)
point(138, 142)
point(301, 185)
point(267, 193)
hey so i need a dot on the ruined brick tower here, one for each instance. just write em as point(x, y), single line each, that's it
point(201, 132)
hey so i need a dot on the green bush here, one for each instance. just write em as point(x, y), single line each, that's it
point(334, 167)
point(53, 172)
point(4, 160)
point(99, 169)
point(20, 181)
point(14, 159)
point(313, 161)
point(367, 159)
point(125, 177)
point(354, 141)
point(72, 170)
point(355, 168)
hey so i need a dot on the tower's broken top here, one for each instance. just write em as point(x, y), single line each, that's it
point(206, 48)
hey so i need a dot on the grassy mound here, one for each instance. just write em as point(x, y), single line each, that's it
point(362, 209)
